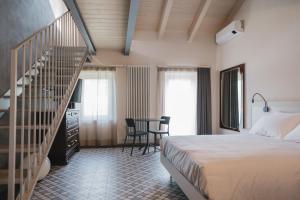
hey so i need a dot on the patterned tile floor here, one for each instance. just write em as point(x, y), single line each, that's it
point(109, 174)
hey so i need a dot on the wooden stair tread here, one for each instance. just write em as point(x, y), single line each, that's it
point(39, 97)
point(37, 110)
point(25, 127)
point(4, 176)
point(46, 85)
point(32, 85)
point(4, 148)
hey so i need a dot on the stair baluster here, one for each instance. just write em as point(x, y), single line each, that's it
point(44, 71)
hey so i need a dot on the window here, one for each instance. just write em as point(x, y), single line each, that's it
point(98, 107)
point(99, 96)
point(96, 91)
point(180, 101)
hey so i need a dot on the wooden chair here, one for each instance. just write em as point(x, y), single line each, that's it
point(132, 132)
point(160, 131)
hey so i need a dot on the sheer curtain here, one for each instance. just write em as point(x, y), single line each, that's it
point(178, 99)
point(98, 108)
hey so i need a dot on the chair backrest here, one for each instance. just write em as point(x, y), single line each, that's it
point(130, 123)
point(166, 121)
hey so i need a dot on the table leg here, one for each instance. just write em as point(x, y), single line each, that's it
point(141, 147)
point(147, 143)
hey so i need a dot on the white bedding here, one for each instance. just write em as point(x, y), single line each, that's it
point(237, 167)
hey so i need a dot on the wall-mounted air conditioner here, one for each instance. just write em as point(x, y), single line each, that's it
point(232, 30)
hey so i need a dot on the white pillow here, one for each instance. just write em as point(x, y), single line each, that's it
point(294, 134)
point(276, 125)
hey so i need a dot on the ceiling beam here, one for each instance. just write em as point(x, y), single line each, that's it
point(199, 18)
point(73, 8)
point(236, 7)
point(133, 10)
point(165, 17)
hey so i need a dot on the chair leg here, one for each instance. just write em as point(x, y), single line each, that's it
point(160, 135)
point(124, 143)
point(140, 140)
point(148, 146)
point(155, 141)
point(132, 145)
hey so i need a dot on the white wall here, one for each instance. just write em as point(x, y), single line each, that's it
point(270, 48)
point(173, 51)
point(58, 7)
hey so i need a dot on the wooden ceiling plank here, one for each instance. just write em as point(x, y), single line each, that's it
point(73, 7)
point(165, 17)
point(133, 11)
point(236, 7)
point(198, 19)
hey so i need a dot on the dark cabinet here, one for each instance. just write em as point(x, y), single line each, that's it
point(66, 142)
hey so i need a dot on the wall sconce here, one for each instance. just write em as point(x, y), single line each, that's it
point(265, 108)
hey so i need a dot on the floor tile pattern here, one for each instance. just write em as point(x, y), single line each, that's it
point(109, 174)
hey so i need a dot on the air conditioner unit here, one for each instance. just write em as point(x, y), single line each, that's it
point(232, 30)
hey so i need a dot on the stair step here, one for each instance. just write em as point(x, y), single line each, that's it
point(32, 97)
point(25, 127)
point(46, 117)
point(65, 68)
point(56, 77)
point(38, 65)
point(19, 111)
point(38, 85)
point(20, 97)
point(47, 85)
point(4, 176)
point(39, 97)
point(4, 148)
point(51, 75)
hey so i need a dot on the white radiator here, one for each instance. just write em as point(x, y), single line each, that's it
point(138, 93)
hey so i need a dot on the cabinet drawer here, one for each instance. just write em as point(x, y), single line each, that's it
point(72, 126)
point(72, 132)
point(72, 143)
point(72, 114)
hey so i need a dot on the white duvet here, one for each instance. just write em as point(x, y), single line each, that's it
point(237, 167)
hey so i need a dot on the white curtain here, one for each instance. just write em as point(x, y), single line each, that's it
point(98, 108)
point(178, 99)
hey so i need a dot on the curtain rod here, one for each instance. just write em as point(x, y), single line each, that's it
point(158, 66)
point(97, 68)
point(113, 66)
point(179, 68)
point(182, 66)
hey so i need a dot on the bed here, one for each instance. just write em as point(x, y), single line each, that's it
point(236, 166)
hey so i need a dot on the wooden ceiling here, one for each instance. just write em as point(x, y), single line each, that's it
point(107, 20)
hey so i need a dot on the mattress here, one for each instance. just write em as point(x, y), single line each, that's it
point(237, 166)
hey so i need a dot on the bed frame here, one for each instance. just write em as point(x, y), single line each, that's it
point(256, 112)
point(188, 189)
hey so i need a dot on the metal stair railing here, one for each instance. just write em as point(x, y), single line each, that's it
point(48, 63)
